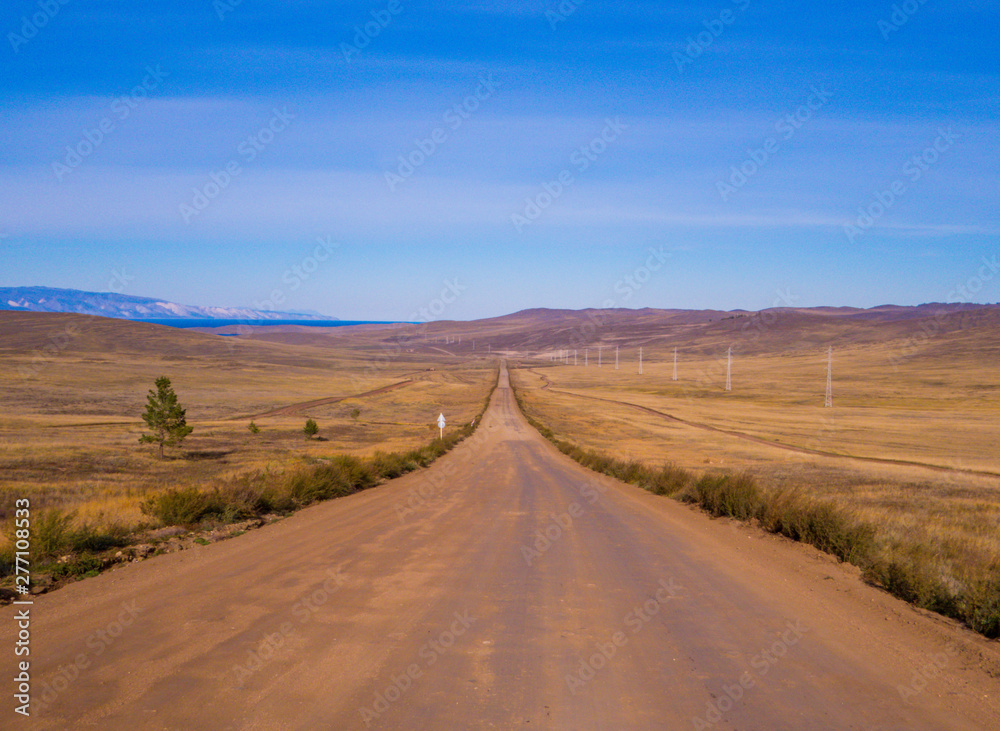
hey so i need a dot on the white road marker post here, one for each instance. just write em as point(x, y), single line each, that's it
point(441, 425)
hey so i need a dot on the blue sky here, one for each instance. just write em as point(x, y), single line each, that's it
point(533, 152)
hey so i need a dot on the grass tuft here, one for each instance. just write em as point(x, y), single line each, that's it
point(181, 506)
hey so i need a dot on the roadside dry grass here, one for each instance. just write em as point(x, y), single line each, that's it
point(936, 524)
point(71, 421)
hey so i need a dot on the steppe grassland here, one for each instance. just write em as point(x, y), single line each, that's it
point(937, 411)
point(69, 432)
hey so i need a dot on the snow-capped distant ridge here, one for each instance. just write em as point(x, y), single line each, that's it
point(130, 307)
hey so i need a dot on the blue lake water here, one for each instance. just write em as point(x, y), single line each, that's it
point(193, 322)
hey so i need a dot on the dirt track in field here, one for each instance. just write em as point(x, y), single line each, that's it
point(504, 587)
point(293, 409)
point(767, 442)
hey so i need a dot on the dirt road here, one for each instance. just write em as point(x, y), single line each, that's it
point(505, 587)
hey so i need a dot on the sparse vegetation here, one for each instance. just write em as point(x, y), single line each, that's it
point(254, 429)
point(730, 496)
point(53, 533)
point(260, 493)
point(64, 548)
point(310, 429)
point(181, 506)
point(908, 570)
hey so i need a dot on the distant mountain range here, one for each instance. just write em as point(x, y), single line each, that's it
point(128, 307)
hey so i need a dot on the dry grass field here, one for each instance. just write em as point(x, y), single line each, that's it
point(911, 444)
point(73, 390)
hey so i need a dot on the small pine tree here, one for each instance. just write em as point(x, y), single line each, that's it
point(164, 416)
point(355, 413)
point(254, 429)
point(310, 429)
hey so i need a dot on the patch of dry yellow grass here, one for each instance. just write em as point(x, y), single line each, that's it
point(937, 412)
point(69, 432)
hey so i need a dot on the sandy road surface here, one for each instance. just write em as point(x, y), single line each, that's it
point(431, 603)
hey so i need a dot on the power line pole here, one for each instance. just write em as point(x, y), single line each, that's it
point(586, 357)
point(640, 361)
point(675, 364)
point(729, 370)
point(829, 378)
point(598, 356)
point(616, 357)
point(574, 356)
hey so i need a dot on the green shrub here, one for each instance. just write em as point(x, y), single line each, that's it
point(630, 472)
point(668, 480)
point(186, 506)
point(51, 531)
point(916, 583)
point(982, 605)
point(818, 523)
point(732, 496)
point(343, 476)
point(833, 531)
point(91, 539)
point(392, 465)
point(244, 497)
point(83, 564)
point(594, 461)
